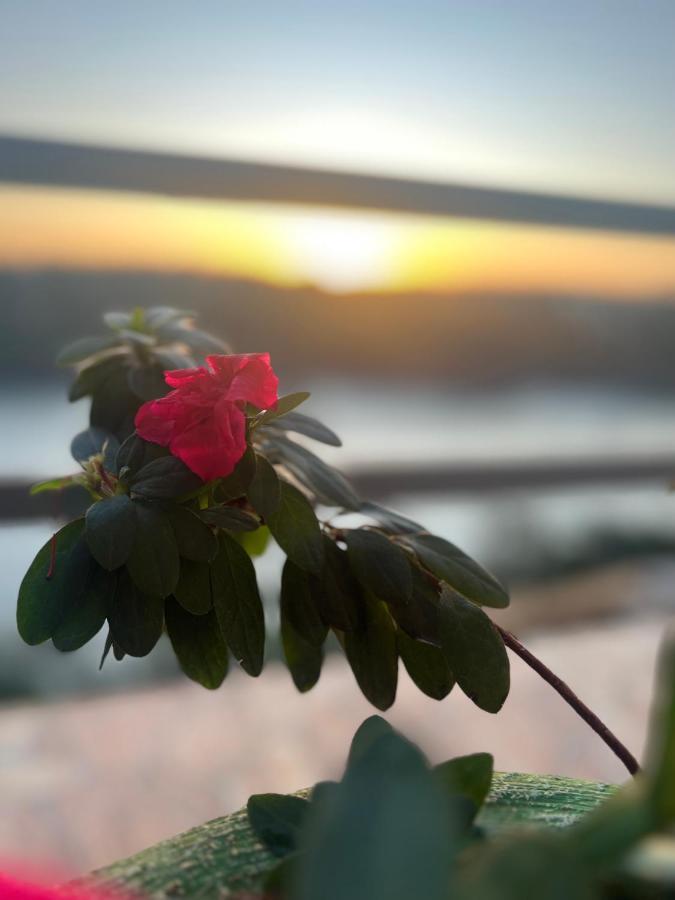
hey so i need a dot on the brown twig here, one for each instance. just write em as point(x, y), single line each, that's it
point(571, 698)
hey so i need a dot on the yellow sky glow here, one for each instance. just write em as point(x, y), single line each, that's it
point(338, 251)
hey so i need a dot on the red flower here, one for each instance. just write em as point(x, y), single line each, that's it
point(17, 889)
point(202, 421)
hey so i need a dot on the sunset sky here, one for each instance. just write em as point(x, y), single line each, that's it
point(572, 97)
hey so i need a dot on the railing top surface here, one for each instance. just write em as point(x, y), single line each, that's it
point(60, 164)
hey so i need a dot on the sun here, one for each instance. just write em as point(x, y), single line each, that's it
point(341, 253)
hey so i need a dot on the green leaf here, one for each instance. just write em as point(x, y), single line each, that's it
point(237, 483)
point(43, 601)
point(136, 619)
point(391, 521)
point(114, 406)
point(198, 644)
point(298, 604)
point(194, 539)
point(419, 618)
point(276, 820)
point(303, 660)
point(192, 337)
point(111, 526)
point(90, 442)
point(91, 378)
point(326, 483)
point(458, 570)
point(337, 593)
point(475, 651)
point(238, 606)
point(281, 407)
point(134, 453)
point(117, 320)
point(426, 665)
point(384, 832)
point(88, 605)
point(309, 427)
point(52, 484)
point(158, 316)
point(230, 517)
point(164, 479)
point(193, 590)
point(295, 528)
point(264, 492)
point(147, 381)
point(254, 542)
point(153, 562)
point(470, 776)
point(369, 731)
point(380, 566)
point(660, 766)
point(85, 347)
point(372, 654)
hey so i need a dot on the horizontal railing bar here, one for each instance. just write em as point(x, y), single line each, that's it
point(378, 484)
point(59, 164)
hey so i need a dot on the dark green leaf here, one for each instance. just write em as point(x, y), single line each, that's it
point(327, 484)
point(85, 347)
point(164, 479)
point(426, 665)
point(372, 654)
point(193, 590)
point(159, 316)
point(303, 660)
point(470, 776)
point(237, 604)
point(147, 382)
point(231, 518)
point(264, 492)
point(136, 619)
point(298, 604)
point(170, 360)
point(43, 601)
point(475, 651)
point(461, 572)
point(88, 604)
point(93, 376)
point(369, 731)
point(153, 563)
point(384, 832)
point(90, 442)
point(195, 540)
point(336, 592)
point(419, 618)
point(114, 406)
point(295, 528)
point(134, 453)
point(660, 767)
point(282, 406)
point(237, 483)
point(111, 530)
point(391, 521)
point(276, 820)
point(308, 426)
point(198, 644)
point(380, 566)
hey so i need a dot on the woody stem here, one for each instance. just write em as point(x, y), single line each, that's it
point(571, 698)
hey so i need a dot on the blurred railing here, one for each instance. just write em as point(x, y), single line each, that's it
point(58, 164)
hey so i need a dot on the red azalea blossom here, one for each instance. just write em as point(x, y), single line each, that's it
point(202, 421)
point(17, 889)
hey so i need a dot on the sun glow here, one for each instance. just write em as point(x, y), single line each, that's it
point(341, 253)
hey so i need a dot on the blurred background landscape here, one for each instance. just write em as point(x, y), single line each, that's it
point(529, 370)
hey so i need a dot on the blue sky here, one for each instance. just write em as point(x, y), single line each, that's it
point(552, 94)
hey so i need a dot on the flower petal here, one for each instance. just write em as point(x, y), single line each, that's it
point(252, 379)
point(212, 447)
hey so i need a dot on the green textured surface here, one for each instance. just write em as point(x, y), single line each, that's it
point(222, 857)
